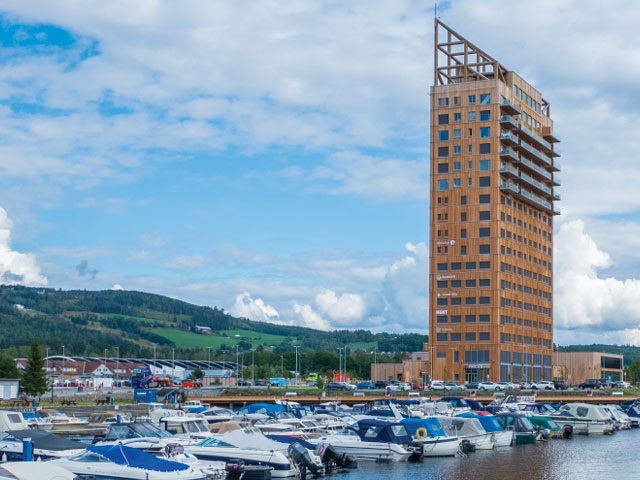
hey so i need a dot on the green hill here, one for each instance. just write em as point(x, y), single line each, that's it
point(88, 322)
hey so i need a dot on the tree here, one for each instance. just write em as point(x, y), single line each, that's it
point(34, 379)
point(8, 368)
point(197, 374)
point(633, 371)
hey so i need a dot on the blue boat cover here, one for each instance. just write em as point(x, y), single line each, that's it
point(266, 408)
point(197, 409)
point(28, 415)
point(289, 440)
point(380, 413)
point(136, 458)
point(488, 422)
point(431, 425)
point(371, 430)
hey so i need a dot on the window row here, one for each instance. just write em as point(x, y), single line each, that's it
point(483, 182)
point(483, 232)
point(469, 283)
point(467, 318)
point(443, 301)
point(505, 250)
point(483, 149)
point(531, 258)
point(483, 215)
point(444, 167)
point(484, 99)
point(517, 304)
point(456, 266)
point(523, 322)
point(469, 337)
point(443, 135)
point(525, 340)
point(518, 287)
point(504, 217)
point(482, 199)
point(506, 200)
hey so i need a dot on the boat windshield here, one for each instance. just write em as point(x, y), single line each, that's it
point(150, 430)
point(5, 437)
point(214, 442)
point(88, 457)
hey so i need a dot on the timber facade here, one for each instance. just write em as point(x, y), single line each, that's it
point(493, 179)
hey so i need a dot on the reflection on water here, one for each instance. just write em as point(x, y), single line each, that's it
point(583, 457)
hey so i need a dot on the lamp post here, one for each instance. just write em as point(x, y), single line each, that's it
point(63, 361)
point(105, 362)
point(296, 347)
point(252, 370)
point(339, 363)
point(117, 363)
point(344, 365)
point(237, 363)
point(375, 363)
point(173, 364)
point(282, 366)
point(209, 349)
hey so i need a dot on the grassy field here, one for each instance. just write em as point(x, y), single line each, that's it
point(129, 317)
point(195, 340)
point(368, 346)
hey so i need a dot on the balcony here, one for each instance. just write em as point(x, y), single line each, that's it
point(509, 154)
point(548, 136)
point(533, 137)
point(509, 187)
point(508, 121)
point(509, 107)
point(534, 152)
point(556, 211)
point(556, 181)
point(533, 183)
point(508, 137)
point(534, 200)
point(557, 166)
point(535, 168)
point(556, 196)
point(508, 170)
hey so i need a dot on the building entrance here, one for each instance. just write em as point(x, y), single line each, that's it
point(472, 375)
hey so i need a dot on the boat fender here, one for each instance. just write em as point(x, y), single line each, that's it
point(421, 433)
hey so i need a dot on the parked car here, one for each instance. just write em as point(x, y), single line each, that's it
point(591, 383)
point(364, 386)
point(525, 385)
point(261, 382)
point(436, 385)
point(399, 387)
point(452, 386)
point(380, 384)
point(543, 385)
point(509, 386)
point(605, 382)
point(415, 386)
point(621, 384)
point(488, 386)
point(339, 386)
point(243, 383)
point(560, 385)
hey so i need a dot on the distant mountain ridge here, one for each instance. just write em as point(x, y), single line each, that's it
point(88, 322)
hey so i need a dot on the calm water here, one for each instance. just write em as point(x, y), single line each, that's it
point(599, 457)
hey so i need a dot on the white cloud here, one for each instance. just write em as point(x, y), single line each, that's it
point(346, 310)
point(16, 267)
point(586, 304)
point(117, 287)
point(185, 262)
point(253, 309)
point(307, 317)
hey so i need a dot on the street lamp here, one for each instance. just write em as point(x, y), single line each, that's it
point(173, 364)
point(339, 363)
point(154, 358)
point(375, 363)
point(63, 361)
point(296, 347)
point(252, 370)
point(117, 362)
point(209, 348)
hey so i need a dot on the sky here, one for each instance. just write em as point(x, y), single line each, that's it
point(271, 158)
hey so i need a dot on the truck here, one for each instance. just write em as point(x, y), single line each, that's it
point(141, 377)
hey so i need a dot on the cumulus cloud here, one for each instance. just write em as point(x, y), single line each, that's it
point(16, 267)
point(253, 309)
point(307, 317)
point(117, 287)
point(344, 310)
point(585, 303)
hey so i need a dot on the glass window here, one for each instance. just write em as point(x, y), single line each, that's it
point(456, 301)
point(484, 318)
point(470, 149)
point(443, 168)
point(443, 135)
point(446, 101)
point(441, 319)
point(485, 148)
point(463, 233)
point(463, 249)
point(485, 115)
point(456, 100)
point(456, 283)
point(463, 200)
point(472, 116)
point(470, 265)
point(485, 249)
point(470, 319)
point(456, 183)
point(484, 300)
point(485, 165)
point(443, 266)
point(470, 336)
point(443, 184)
point(457, 149)
point(485, 265)
point(463, 216)
point(443, 302)
point(441, 337)
point(484, 336)
point(485, 132)
point(443, 283)
point(472, 99)
point(443, 119)
point(485, 181)
point(470, 283)
point(457, 117)
point(440, 103)
point(443, 151)
point(485, 215)
point(485, 199)
point(484, 282)
point(485, 98)
point(470, 301)
point(456, 266)
point(484, 232)
point(456, 166)
point(456, 319)
point(456, 337)
point(457, 133)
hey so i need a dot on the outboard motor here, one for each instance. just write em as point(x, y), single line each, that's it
point(332, 459)
point(234, 469)
point(467, 447)
point(567, 431)
point(301, 457)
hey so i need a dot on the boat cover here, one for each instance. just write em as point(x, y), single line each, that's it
point(371, 430)
point(518, 421)
point(461, 426)
point(266, 408)
point(289, 440)
point(488, 422)
point(46, 440)
point(250, 439)
point(133, 457)
point(431, 425)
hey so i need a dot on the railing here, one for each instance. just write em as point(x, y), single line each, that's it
point(508, 136)
point(535, 152)
point(509, 120)
point(504, 103)
point(535, 137)
point(556, 196)
point(507, 152)
point(504, 168)
point(531, 181)
point(509, 186)
point(541, 171)
point(535, 199)
point(556, 181)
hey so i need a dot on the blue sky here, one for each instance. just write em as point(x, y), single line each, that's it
point(272, 158)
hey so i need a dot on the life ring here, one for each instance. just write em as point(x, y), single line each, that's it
point(421, 433)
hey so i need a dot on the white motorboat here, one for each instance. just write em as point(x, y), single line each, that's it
point(46, 445)
point(125, 463)
point(34, 471)
point(502, 437)
point(468, 429)
point(584, 418)
point(61, 421)
point(428, 434)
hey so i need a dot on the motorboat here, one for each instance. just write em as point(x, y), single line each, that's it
point(46, 445)
point(585, 419)
point(250, 447)
point(524, 431)
point(218, 415)
point(633, 413)
point(549, 428)
point(34, 471)
point(184, 425)
point(468, 429)
point(37, 422)
point(125, 463)
point(620, 420)
point(61, 421)
point(370, 439)
point(429, 435)
point(502, 437)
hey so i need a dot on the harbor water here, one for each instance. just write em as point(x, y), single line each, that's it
point(583, 457)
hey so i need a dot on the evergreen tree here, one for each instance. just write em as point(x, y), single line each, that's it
point(197, 374)
point(34, 379)
point(8, 368)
